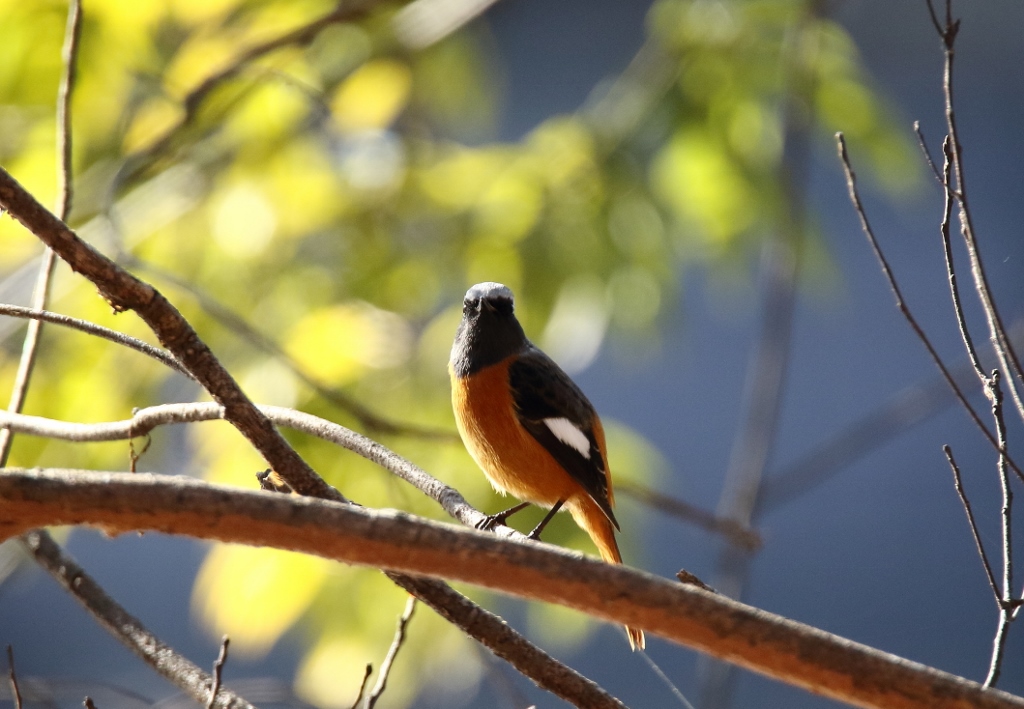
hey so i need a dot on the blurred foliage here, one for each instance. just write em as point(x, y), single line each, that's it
point(340, 195)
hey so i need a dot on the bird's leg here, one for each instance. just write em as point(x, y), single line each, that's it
point(535, 534)
point(490, 521)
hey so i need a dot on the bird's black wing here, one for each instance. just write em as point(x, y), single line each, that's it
point(542, 391)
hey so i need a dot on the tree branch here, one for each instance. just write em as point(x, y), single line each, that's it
point(128, 629)
point(389, 659)
point(145, 420)
point(761, 641)
point(118, 338)
point(126, 292)
point(1008, 361)
point(851, 184)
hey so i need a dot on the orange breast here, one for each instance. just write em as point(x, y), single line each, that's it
point(512, 459)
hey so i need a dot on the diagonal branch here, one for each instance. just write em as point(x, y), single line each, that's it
point(121, 624)
point(764, 642)
point(126, 292)
point(851, 184)
point(118, 338)
point(959, 485)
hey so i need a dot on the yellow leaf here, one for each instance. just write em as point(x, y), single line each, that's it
point(373, 96)
point(339, 343)
point(255, 594)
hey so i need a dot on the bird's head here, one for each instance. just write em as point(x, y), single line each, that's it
point(489, 331)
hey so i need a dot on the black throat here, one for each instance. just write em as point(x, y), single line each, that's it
point(488, 333)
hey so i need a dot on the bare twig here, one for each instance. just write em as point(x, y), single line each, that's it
point(218, 669)
point(122, 625)
point(65, 192)
point(736, 533)
point(145, 420)
point(958, 484)
point(947, 252)
point(362, 686)
point(69, 54)
point(1005, 610)
point(790, 651)
point(16, 311)
point(851, 184)
point(1008, 360)
point(389, 659)
point(12, 677)
point(998, 647)
point(923, 144)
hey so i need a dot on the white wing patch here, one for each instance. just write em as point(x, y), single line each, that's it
point(566, 431)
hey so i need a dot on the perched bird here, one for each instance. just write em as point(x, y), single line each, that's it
point(527, 425)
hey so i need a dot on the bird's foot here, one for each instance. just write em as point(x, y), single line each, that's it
point(491, 521)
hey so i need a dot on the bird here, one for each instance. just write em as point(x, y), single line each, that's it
point(528, 426)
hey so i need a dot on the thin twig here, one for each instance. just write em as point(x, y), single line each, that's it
point(122, 625)
point(218, 669)
point(69, 54)
point(923, 144)
point(998, 648)
point(947, 251)
point(12, 677)
point(162, 356)
point(362, 686)
point(65, 193)
point(958, 484)
point(1008, 361)
point(1006, 511)
point(935, 17)
point(851, 184)
point(145, 420)
point(733, 531)
point(389, 659)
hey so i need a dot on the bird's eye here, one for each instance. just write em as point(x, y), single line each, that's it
point(470, 305)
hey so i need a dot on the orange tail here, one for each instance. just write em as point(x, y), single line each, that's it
point(594, 522)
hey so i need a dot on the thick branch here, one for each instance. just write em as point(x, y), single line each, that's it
point(760, 641)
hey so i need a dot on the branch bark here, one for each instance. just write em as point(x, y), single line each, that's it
point(763, 642)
